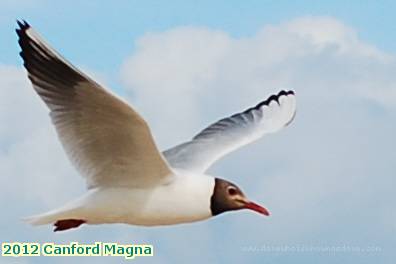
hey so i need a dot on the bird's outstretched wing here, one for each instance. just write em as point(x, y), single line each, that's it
point(108, 142)
point(233, 132)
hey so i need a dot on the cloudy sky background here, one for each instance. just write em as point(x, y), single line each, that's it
point(328, 179)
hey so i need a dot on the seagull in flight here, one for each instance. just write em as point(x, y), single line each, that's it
point(128, 179)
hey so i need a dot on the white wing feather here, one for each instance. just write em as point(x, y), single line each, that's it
point(108, 142)
point(233, 132)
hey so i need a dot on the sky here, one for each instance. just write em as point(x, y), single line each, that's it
point(328, 179)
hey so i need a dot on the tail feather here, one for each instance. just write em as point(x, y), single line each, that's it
point(41, 219)
point(61, 218)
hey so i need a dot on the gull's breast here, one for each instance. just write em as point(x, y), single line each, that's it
point(187, 199)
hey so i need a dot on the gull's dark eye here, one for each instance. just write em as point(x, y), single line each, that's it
point(232, 191)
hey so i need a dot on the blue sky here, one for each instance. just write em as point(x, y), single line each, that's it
point(328, 179)
point(66, 20)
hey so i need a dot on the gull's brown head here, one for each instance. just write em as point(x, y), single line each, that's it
point(229, 197)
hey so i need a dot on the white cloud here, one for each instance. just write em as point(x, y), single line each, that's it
point(31, 158)
point(325, 32)
point(185, 78)
point(16, 102)
point(171, 76)
point(184, 74)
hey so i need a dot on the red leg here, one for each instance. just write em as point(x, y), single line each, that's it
point(61, 225)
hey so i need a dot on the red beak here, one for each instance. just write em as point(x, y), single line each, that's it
point(257, 208)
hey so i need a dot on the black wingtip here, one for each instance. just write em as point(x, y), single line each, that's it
point(19, 23)
point(283, 92)
point(274, 97)
point(23, 26)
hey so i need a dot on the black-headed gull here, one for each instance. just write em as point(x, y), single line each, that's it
point(128, 179)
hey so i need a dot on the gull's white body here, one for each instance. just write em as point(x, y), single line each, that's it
point(129, 180)
point(186, 199)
